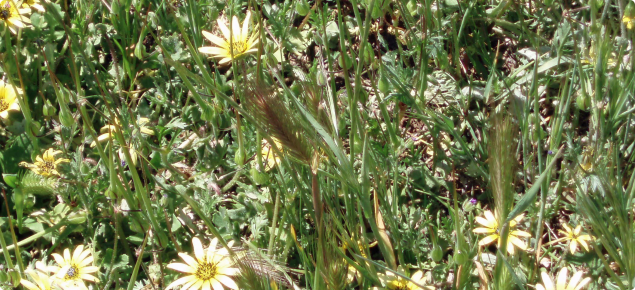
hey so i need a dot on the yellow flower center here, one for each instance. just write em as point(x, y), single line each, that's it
point(4, 105)
point(5, 14)
point(399, 285)
point(72, 273)
point(47, 166)
point(238, 47)
point(206, 271)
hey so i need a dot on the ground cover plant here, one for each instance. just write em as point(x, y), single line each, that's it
point(323, 144)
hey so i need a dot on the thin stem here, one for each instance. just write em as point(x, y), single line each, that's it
point(18, 257)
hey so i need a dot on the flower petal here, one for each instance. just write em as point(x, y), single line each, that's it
point(191, 283)
point(574, 280)
point(189, 260)
point(213, 50)
point(207, 285)
point(584, 245)
point(245, 30)
point(58, 259)
point(583, 284)
point(561, 280)
point(228, 271)
point(88, 277)
point(211, 251)
point(225, 60)
point(184, 268)
point(227, 281)
point(483, 231)
point(78, 251)
point(235, 28)
point(197, 285)
point(29, 285)
point(488, 240)
point(181, 281)
point(67, 255)
point(199, 252)
point(14, 107)
point(216, 40)
point(520, 234)
point(85, 262)
point(223, 29)
point(573, 247)
point(417, 277)
point(546, 280)
point(517, 242)
point(89, 269)
point(216, 285)
point(491, 219)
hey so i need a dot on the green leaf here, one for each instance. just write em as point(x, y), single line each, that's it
point(18, 151)
point(515, 278)
point(530, 196)
point(10, 179)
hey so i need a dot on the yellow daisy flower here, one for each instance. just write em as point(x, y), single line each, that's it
point(12, 16)
point(40, 280)
point(33, 4)
point(208, 269)
point(629, 21)
point(46, 165)
point(394, 282)
point(8, 97)
point(363, 247)
point(108, 130)
point(43, 281)
point(234, 44)
point(491, 227)
point(561, 281)
point(269, 156)
point(575, 237)
point(75, 268)
point(586, 159)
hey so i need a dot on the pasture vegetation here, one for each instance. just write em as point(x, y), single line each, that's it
point(322, 144)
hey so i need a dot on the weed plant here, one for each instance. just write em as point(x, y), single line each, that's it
point(317, 144)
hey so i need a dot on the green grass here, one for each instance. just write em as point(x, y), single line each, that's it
point(397, 124)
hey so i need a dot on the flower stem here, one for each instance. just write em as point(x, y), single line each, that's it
point(18, 257)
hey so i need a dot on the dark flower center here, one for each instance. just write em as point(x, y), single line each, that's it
point(47, 166)
point(72, 273)
point(5, 12)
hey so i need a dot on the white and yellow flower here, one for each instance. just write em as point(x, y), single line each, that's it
point(394, 282)
point(8, 97)
point(491, 227)
point(574, 237)
point(269, 156)
point(72, 269)
point(576, 282)
point(40, 281)
point(210, 268)
point(35, 4)
point(47, 164)
point(234, 44)
point(14, 17)
point(108, 131)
